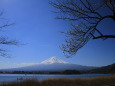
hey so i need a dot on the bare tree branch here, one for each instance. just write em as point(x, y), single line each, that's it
point(4, 40)
point(89, 15)
point(104, 36)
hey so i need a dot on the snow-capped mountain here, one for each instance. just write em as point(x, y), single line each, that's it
point(52, 64)
point(53, 60)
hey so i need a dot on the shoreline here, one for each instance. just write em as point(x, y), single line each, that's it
point(97, 81)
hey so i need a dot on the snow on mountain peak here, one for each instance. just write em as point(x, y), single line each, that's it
point(52, 60)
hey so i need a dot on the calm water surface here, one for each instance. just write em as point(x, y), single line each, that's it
point(15, 77)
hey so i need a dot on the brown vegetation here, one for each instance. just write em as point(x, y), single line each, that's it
point(99, 81)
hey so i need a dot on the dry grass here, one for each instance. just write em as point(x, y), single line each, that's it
point(99, 81)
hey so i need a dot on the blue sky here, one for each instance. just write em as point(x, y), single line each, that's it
point(36, 26)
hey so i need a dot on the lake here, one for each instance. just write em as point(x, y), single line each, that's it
point(15, 77)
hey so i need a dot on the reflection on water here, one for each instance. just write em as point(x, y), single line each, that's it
point(14, 77)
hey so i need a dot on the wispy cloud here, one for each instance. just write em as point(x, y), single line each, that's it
point(28, 64)
point(1, 61)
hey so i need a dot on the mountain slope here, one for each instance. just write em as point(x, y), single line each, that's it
point(52, 64)
point(104, 69)
point(53, 67)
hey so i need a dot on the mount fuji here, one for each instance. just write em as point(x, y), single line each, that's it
point(54, 60)
point(52, 64)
